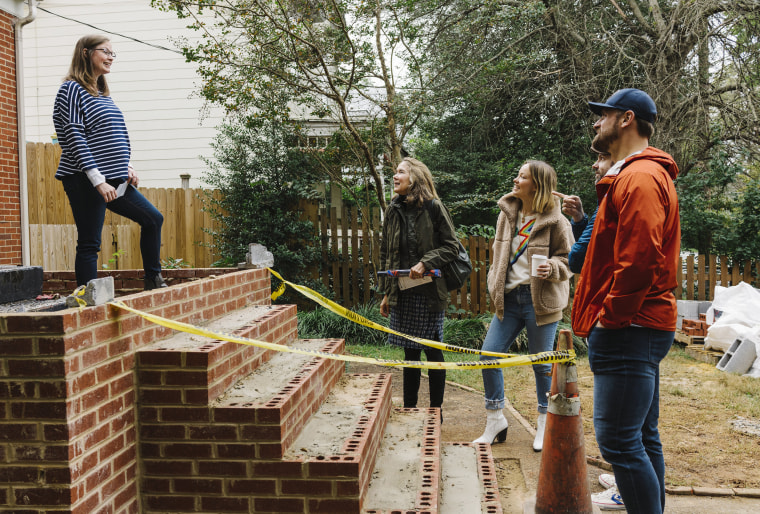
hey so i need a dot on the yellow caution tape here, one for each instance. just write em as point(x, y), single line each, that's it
point(521, 360)
point(78, 296)
point(361, 320)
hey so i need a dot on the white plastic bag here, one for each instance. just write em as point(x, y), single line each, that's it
point(741, 300)
point(722, 334)
point(740, 318)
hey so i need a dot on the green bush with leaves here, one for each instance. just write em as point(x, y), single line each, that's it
point(322, 323)
point(261, 175)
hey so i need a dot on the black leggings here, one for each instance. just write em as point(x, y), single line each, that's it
point(436, 377)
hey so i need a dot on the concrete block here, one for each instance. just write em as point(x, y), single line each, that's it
point(739, 357)
point(703, 306)
point(257, 257)
point(20, 283)
point(689, 309)
point(97, 292)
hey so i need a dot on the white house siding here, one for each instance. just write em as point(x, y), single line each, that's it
point(156, 89)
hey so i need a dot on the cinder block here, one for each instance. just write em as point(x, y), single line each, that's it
point(739, 357)
point(20, 283)
point(689, 309)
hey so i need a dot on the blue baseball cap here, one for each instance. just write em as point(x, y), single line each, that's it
point(629, 99)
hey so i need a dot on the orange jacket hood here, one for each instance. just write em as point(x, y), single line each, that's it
point(629, 274)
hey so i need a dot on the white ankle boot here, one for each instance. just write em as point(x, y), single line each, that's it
point(538, 442)
point(496, 427)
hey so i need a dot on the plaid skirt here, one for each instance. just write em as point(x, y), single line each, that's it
point(413, 317)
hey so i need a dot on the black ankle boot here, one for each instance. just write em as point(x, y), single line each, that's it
point(154, 283)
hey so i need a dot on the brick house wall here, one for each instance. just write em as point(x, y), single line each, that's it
point(10, 208)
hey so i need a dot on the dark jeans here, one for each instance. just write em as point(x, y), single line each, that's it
point(626, 367)
point(89, 211)
point(436, 377)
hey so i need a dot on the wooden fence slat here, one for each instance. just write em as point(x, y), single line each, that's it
point(690, 277)
point(713, 276)
point(324, 242)
point(202, 253)
point(334, 249)
point(345, 261)
point(35, 159)
point(366, 245)
point(188, 236)
point(679, 279)
point(356, 271)
point(724, 271)
point(701, 278)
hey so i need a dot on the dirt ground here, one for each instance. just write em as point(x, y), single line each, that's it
point(701, 446)
point(698, 406)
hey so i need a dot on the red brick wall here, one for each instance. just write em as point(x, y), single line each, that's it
point(10, 214)
point(68, 440)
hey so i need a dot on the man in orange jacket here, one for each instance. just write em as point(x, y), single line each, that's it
point(624, 300)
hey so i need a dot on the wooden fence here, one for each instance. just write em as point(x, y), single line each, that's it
point(53, 233)
point(350, 247)
point(348, 263)
point(699, 274)
point(348, 238)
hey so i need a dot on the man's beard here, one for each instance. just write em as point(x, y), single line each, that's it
point(602, 142)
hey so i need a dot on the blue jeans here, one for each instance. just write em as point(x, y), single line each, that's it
point(626, 367)
point(518, 314)
point(89, 210)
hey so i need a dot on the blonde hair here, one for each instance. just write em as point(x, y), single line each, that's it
point(421, 186)
point(545, 179)
point(80, 70)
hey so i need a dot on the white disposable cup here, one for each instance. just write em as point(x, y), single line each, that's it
point(535, 262)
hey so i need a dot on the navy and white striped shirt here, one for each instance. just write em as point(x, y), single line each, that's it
point(91, 132)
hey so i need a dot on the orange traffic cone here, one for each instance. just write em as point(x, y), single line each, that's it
point(563, 477)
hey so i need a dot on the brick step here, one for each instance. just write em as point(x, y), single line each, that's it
point(211, 437)
point(406, 474)
point(468, 480)
point(414, 473)
point(332, 460)
point(282, 394)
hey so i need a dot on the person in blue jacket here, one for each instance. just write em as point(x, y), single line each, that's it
point(580, 222)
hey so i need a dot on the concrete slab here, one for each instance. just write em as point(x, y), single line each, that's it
point(20, 282)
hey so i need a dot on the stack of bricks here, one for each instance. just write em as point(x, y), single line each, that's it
point(694, 327)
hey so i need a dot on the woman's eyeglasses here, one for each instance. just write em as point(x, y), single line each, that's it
point(107, 52)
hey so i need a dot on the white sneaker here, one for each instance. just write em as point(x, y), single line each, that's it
point(607, 480)
point(608, 500)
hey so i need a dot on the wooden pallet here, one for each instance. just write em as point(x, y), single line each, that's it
point(697, 351)
point(689, 340)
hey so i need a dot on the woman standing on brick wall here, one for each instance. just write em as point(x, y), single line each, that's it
point(94, 167)
point(418, 235)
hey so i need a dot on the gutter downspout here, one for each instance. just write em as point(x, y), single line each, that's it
point(20, 114)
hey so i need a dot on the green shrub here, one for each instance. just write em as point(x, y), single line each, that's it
point(466, 332)
point(321, 323)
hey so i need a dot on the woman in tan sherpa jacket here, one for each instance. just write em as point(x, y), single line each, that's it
point(530, 224)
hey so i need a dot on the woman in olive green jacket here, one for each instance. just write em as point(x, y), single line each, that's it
point(417, 235)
